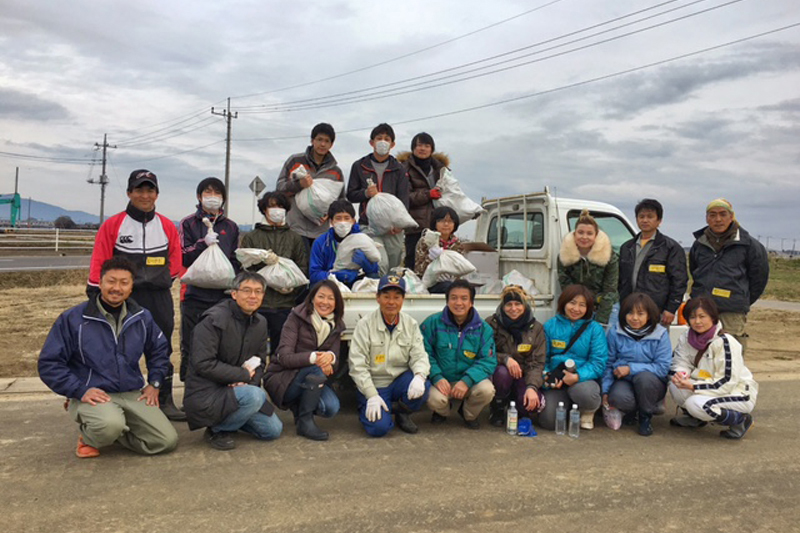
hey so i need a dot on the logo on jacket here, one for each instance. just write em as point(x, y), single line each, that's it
point(125, 239)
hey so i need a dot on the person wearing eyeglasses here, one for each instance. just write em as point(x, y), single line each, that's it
point(223, 383)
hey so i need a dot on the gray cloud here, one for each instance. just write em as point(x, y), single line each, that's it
point(29, 107)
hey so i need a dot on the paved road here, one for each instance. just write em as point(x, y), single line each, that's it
point(778, 305)
point(19, 264)
point(444, 479)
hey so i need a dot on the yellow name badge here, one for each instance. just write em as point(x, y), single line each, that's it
point(380, 359)
point(661, 269)
point(703, 374)
point(156, 261)
point(524, 348)
point(469, 355)
point(722, 293)
point(558, 344)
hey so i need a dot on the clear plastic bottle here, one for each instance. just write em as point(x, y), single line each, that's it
point(511, 419)
point(574, 422)
point(561, 419)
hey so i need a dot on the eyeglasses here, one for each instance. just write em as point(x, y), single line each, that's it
point(247, 291)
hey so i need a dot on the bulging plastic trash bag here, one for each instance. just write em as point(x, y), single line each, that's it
point(414, 283)
point(515, 278)
point(454, 197)
point(612, 417)
point(342, 287)
point(366, 285)
point(495, 286)
point(251, 256)
point(211, 270)
point(386, 211)
point(282, 274)
point(351, 243)
point(314, 201)
point(449, 264)
point(431, 238)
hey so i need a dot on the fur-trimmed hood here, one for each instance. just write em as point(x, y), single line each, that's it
point(600, 254)
point(439, 156)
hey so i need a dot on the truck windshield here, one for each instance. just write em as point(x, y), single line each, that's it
point(616, 228)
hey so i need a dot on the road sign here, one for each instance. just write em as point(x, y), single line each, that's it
point(257, 186)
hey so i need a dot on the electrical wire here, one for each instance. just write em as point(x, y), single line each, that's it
point(203, 123)
point(137, 161)
point(178, 119)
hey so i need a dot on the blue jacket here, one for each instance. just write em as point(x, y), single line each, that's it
point(323, 255)
point(467, 355)
point(82, 351)
point(652, 354)
point(589, 352)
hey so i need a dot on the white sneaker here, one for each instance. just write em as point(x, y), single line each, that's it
point(587, 420)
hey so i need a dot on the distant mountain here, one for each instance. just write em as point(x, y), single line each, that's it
point(48, 213)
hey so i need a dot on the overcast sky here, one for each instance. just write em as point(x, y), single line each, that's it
point(718, 123)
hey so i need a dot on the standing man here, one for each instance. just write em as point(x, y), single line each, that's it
point(462, 354)
point(729, 264)
point(653, 263)
point(388, 363)
point(152, 243)
point(195, 239)
point(380, 172)
point(319, 163)
point(92, 355)
point(229, 351)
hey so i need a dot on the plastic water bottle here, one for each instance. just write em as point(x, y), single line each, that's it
point(574, 422)
point(511, 419)
point(561, 419)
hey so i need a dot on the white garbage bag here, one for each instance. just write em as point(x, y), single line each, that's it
point(386, 211)
point(454, 197)
point(448, 265)
point(314, 201)
point(366, 285)
point(251, 256)
point(515, 278)
point(351, 243)
point(431, 238)
point(211, 270)
point(494, 286)
point(414, 284)
point(342, 287)
point(282, 274)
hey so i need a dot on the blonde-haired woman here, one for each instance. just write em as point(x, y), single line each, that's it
point(520, 343)
point(587, 258)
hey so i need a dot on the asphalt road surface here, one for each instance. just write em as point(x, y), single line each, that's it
point(444, 479)
point(20, 264)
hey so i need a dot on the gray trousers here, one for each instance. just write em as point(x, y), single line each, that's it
point(642, 392)
point(586, 394)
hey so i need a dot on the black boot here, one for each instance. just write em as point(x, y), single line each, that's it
point(645, 427)
point(309, 400)
point(402, 417)
point(167, 404)
point(497, 413)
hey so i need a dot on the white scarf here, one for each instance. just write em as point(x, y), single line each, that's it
point(322, 325)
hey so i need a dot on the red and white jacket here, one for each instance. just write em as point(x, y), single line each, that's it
point(149, 240)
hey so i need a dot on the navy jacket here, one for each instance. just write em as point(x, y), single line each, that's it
point(82, 351)
point(323, 255)
point(395, 181)
point(662, 274)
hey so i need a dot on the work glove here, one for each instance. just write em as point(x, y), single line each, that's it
point(416, 388)
point(211, 238)
point(375, 408)
point(434, 253)
point(360, 258)
point(346, 276)
point(435, 194)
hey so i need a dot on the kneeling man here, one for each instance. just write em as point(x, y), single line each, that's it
point(92, 355)
point(223, 383)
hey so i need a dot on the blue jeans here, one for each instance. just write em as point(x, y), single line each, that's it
point(396, 392)
point(328, 404)
point(248, 418)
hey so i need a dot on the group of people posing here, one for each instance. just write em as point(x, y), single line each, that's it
point(245, 353)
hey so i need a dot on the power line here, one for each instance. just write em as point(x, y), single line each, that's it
point(45, 159)
point(200, 124)
point(463, 76)
point(403, 56)
point(178, 119)
point(137, 138)
point(170, 155)
point(563, 87)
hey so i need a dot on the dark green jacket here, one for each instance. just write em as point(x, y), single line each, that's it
point(285, 243)
point(598, 272)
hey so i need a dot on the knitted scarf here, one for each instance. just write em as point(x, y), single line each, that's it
point(718, 240)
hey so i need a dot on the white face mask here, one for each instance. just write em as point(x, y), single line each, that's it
point(276, 215)
point(342, 229)
point(382, 147)
point(211, 203)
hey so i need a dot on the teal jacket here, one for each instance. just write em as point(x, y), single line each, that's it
point(590, 351)
point(467, 355)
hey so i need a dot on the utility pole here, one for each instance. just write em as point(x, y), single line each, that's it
point(768, 237)
point(228, 117)
point(103, 181)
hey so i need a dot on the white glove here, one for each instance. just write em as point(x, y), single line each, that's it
point(375, 408)
point(416, 388)
point(211, 238)
point(434, 253)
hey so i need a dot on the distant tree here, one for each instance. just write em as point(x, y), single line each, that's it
point(64, 222)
